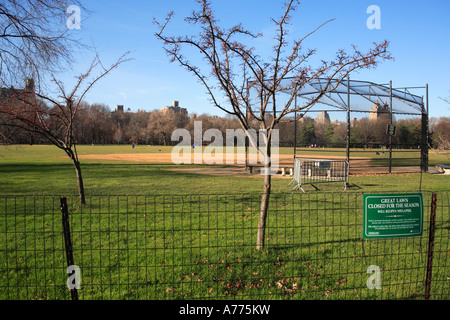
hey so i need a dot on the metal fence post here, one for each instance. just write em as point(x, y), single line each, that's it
point(430, 247)
point(68, 241)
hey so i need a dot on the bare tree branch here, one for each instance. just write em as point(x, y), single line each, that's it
point(29, 111)
point(34, 39)
point(236, 69)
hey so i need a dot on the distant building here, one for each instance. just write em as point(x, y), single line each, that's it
point(378, 111)
point(175, 108)
point(19, 97)
point(120, 109)
point(323, 118)
point(335, 122)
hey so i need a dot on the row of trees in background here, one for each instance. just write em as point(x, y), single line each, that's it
point(440, 137)
point(96, 124)
point(372, 133)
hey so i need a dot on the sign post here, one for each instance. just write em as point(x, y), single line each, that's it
point(391, 130)
point(392, 215)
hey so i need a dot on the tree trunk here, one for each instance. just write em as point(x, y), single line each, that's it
point(77, 166)
point(79, 181)
point(260, 239)
point(264, 208)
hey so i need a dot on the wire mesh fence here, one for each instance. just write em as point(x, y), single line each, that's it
point(162, 247)
point(313, 171)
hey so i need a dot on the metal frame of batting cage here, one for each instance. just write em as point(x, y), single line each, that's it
point(400, 101)
point(314, 171)
point(357, 96)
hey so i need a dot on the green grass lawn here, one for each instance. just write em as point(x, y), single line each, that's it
point(46, 170)
point(151, 233)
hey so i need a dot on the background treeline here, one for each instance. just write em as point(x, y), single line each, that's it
point(365, 133)
point(96, 124)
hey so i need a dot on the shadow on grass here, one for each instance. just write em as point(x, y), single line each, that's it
point(281, 248)
point(98, 168)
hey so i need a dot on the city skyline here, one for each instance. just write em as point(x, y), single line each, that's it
point(416, 31)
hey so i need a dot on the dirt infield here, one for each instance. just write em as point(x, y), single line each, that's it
point(139, 157)
point(359, 166)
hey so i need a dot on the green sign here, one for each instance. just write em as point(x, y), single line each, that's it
point(392, 215)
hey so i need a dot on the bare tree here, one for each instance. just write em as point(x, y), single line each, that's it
point(53, 118)
point(441, 133)
point(235, 69)
point(161, 124)
point(118, 134)
point(365, 130)
point(447, 99)
point(443, 130)
point(34, 39)
point(93, 124)
point(137, 127)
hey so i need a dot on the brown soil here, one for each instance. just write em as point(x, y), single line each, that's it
point(360, 166)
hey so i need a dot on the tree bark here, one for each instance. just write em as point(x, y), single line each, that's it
point(79, 181)
point(77, 166)
point(264, 208)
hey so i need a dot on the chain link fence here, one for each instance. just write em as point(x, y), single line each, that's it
point(164, 247)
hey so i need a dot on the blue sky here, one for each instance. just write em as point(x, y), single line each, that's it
point(417, 30)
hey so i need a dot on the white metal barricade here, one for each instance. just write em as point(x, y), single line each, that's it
point(314, 171)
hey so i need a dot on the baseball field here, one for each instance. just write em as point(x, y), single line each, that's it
point(155, 230)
